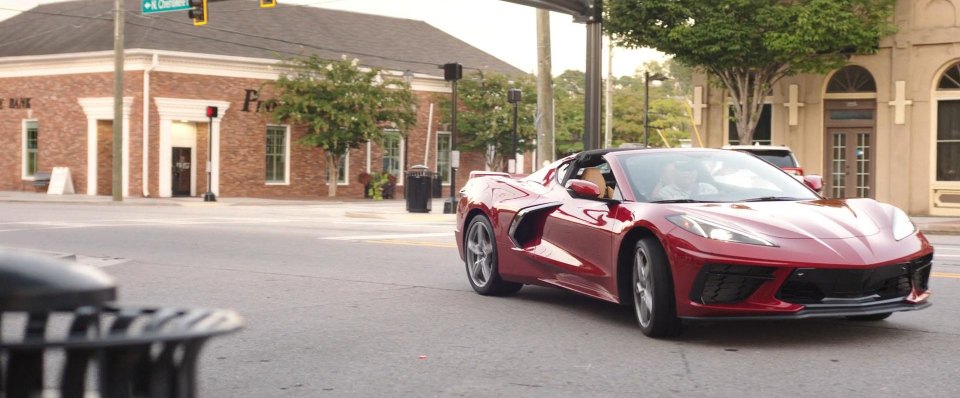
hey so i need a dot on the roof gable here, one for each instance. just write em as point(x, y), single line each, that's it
point(242, 29)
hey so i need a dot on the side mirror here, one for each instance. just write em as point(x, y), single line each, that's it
point(583, 189)
point(814, 182)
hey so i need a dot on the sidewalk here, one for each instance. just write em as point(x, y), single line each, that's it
point(350, 207)
point(394, 209)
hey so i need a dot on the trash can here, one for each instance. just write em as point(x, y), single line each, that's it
point(57, 317)
point(437, 186)
point(417, 187)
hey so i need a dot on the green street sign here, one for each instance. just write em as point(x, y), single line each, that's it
point(155, 6)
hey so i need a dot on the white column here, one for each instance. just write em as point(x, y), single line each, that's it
point(91, 156)
point(192, 110)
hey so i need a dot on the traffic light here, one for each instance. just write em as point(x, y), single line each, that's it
point(268, 3)
point(212, 112)
point(199, 12)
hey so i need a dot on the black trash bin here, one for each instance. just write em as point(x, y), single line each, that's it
point(56, 316)
point(417, 187)
point(437, 186)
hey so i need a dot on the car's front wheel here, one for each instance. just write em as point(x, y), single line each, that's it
point(653, 290)
point(483, 268)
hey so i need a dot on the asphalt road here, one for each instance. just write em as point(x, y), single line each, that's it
point(339, 306)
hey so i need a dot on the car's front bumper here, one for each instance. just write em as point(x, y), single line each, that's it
point(714, 287)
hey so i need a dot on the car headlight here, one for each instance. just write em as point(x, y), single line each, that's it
point(902, 226)
point(716, 231)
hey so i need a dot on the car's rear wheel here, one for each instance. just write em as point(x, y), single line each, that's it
point(653, 299)
point(871, 317)
point(483, 268)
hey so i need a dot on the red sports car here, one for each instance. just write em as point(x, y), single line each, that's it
point(691, 234)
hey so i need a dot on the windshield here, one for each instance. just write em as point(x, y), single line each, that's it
point(708, 176)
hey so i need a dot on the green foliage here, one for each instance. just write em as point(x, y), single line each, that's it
point(485, 118)
point(341, 104)
point(667, 112)
point(749, 45)
point(568, 91)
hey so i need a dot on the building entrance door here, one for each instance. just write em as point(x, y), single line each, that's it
point(851, 163)
point(849, 149)
point(181, 171)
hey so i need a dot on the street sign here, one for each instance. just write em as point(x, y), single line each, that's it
point(155, 6)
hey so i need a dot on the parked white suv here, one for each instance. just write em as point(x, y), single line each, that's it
point(780, 156)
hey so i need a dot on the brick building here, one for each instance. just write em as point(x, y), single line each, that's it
point(56, 91)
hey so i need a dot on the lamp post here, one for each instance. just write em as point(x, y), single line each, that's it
point(452, 72)
point(513, 97)
point(646, 102)
point(212, 112)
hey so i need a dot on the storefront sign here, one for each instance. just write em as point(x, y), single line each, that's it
point(252, 97)
point(15, 103)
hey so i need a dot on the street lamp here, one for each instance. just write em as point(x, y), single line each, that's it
point(452, 72)
point(646, 102)
point(513, 97)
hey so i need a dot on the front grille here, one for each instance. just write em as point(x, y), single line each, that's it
point(830, 286)
point(726, 284)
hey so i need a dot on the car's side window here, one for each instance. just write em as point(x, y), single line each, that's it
point(563, 170)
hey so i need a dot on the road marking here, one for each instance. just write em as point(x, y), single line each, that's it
point(414, 243)
point(394, 236)
point(945, 275)
point(946, 255)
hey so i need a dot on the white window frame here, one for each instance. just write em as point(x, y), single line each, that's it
point(436, 162)
point(286, 154)
point(939, 95)
point(768, 100)
point(24, 150)
point(402, 159)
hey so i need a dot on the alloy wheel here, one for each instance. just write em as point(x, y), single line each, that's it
point(479, 254)
point(642, 288)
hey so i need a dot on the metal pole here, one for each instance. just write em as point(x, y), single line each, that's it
point(453, 147)
point(591, 114)
point(646, 107)
point(515, 117)
point(117, 181)
point(209, 196)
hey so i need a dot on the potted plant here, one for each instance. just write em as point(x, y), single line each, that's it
point(365, 179)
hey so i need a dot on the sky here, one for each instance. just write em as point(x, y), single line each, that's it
point(500, 28)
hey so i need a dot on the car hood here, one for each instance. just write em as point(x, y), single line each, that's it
point(816, 219)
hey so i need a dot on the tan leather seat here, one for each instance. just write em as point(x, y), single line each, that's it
point(594, 175)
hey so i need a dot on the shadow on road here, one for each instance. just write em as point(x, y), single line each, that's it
point(727, 334)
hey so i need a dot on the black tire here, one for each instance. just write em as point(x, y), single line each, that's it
point(870, 318)
point(480, 250)
point(653, 281)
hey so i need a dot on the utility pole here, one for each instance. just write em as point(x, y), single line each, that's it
point(608, 100)
point(117, 185)
point(545, 133)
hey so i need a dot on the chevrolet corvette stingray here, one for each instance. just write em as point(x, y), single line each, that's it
point(691, 234)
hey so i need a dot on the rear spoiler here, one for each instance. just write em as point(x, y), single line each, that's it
point(481, 173)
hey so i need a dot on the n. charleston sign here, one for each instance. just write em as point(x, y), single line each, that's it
point(154, 6)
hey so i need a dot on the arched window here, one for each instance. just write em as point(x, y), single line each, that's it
point(948, 125)
point(950, 79)
point(852, 79)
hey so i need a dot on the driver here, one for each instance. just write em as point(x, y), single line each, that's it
point(684, 183)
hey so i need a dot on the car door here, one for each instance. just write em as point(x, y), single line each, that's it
point(577, 244)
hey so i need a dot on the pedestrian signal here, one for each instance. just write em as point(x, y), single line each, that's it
point(198, 12)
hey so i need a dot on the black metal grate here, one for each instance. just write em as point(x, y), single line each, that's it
point(812, 286)
point(725, 283)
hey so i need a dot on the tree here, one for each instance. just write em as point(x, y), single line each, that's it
point(568, 100)
point(749, 45)
point(341, 104)
point(485, 118)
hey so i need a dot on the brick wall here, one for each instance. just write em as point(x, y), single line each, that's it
point(63, 137)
